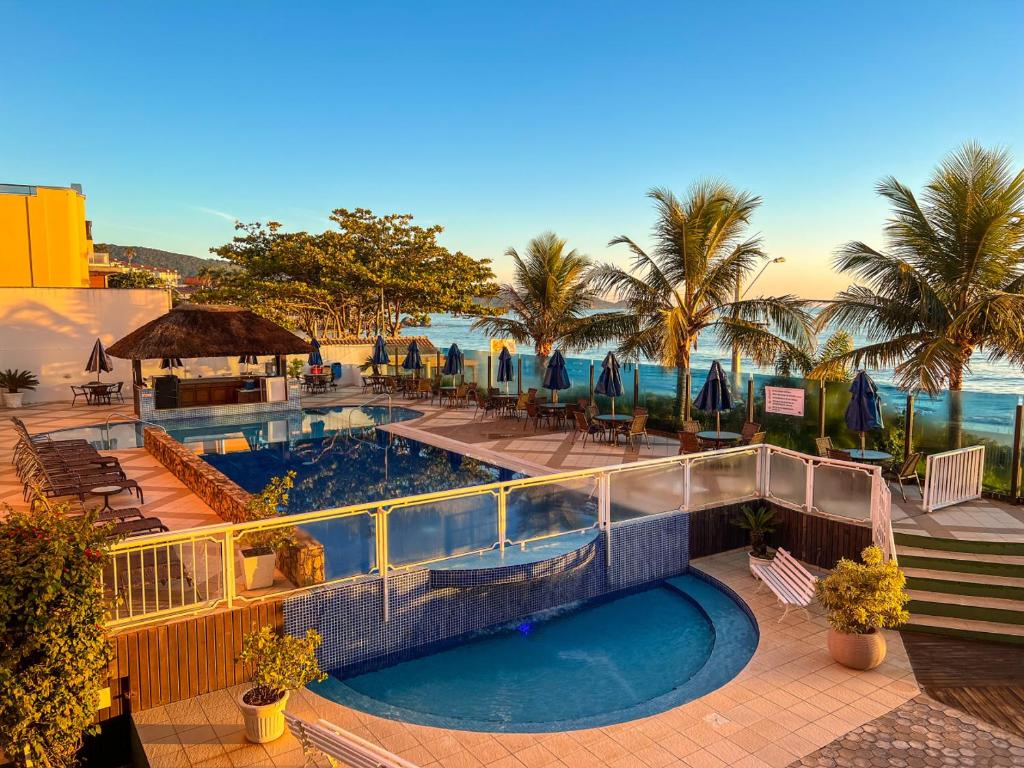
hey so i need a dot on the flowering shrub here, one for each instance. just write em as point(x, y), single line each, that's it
point(862, 597)
point(280, 663)
point(53, 648)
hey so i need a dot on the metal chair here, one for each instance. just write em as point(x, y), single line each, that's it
point(750, 428)
point(692, 426)
point(756, 439)
point(835, 453)
point(905, 471)
point(824, 445)
point(689, 443)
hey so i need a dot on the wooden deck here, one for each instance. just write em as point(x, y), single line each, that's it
point(983, 679)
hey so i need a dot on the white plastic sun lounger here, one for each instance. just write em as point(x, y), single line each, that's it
point(341, 747)
point(792, 584)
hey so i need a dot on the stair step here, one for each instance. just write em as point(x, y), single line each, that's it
point(959, 545)
point(973, 601)
point(958, 565)
point(957, 627)
point(967, 612)
point(955, 586)
point(986, 557)
point(961, 578)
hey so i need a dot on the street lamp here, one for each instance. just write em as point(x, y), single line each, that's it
point(738, 296)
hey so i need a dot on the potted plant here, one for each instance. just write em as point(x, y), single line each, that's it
point(295, 368)
point(758, 521)
point(860, 599)
point(14, 382)
point(259, 555)
point(280, 664)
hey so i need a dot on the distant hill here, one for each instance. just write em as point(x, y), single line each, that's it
point(187, 266)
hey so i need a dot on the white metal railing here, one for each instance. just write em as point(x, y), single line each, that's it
point(952, 477)
point(184, 572)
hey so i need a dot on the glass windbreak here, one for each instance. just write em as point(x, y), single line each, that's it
point(842, 491)
point(534, 511)
point(787, 479)
point(723, 479)
point(647, 491)
point(440, 529)
point(347, 545)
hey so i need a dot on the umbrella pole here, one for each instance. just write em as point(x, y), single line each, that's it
point(862, 444)
point(718, 423)
point(615, 432)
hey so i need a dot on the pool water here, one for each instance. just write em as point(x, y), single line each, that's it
point(580, 666)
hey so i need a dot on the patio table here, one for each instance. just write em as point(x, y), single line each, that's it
point(713, 436)
point(613, 421)
point(98, 394)
point(869, 455)
point(106, 491)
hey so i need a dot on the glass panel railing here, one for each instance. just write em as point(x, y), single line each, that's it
point(433, 530)
point(725, 479)
point(646, 491)
point(787, 479)
point(547, 509)
point(842, 491)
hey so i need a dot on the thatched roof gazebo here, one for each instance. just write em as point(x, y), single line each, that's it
point(206, 330)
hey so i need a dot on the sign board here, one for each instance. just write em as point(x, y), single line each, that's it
point(785, 400)
point(497, 344)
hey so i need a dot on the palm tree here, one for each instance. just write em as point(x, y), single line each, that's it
point(548, 300)
point(687, 285)
point(827, 363)
point(951, 279)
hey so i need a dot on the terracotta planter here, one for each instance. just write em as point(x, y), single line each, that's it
point(12, 399)
point(857, 651)
point(258, 568)
point(263, 723)
point(755, 560)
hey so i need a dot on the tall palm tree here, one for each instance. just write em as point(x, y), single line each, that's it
point(686, 285)
point(951, 279)
point(548, 300)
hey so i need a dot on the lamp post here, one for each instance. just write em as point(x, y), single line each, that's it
point(739, 294)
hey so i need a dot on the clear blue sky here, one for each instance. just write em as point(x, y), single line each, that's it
point(500, 121)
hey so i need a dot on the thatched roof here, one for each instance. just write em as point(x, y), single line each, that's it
point(400, 343)
point(202, 330)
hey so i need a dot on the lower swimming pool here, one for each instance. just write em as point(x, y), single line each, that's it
point(580, 666)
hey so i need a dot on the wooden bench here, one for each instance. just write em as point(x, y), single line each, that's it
point(792, 584)
point(341, 747)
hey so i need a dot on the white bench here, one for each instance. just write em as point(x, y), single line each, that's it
point(792, 584)
point(341, 747)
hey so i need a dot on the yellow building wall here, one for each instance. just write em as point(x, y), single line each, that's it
point(43, 240)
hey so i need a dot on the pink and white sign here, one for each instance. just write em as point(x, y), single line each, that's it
point(785, 400)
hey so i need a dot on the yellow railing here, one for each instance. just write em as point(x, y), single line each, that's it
point(186, 572)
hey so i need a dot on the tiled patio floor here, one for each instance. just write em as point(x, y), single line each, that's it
point(980, 519)
point(790, 701)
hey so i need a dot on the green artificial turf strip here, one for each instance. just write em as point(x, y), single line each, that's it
point(1012, 570)
point(957, 545)
point(976, 613)
point(965, 588)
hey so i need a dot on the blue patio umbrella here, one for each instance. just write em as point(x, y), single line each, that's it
point(505, 372)
point(380, 353)
point(412, 360)
point(864, 411)
point(610, 381)
point(556, 377)
point(714, 395)
point(454, 361)
point(315, 358)
point(98, 361)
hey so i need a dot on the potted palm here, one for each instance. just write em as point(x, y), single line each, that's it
point(280, 664)
point(860, 599)
point(259, 552)
point(13, 382)
point(758, 522)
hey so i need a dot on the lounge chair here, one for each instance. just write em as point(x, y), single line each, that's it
point(139, 527)
point(792, 584)
point(341, 747)
point(905, 471)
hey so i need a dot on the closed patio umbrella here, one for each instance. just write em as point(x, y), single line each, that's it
point(556, 377)
point(412, 361)
point(380, 353)
point(171, 362)
point(714, 395)
point(98, 361)
point(454, 362)
point(864, 410)
point(505, 372)
point(609, 383)
point(315, 358)
point(247, 360)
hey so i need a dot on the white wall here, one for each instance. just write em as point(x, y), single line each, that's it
point(50, 331)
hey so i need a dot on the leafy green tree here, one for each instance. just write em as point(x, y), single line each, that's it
point(685, 287)
point(950, 280)
point(135, 278)
point(53, 648)
point(548, 300)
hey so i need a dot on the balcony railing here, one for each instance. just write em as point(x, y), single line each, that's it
point(186, 572)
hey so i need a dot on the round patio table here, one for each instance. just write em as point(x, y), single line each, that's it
point(869, 455)
point(613, 420)
point(713, 436)
point(106, 491)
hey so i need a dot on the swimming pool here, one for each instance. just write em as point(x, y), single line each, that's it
point(580, 666)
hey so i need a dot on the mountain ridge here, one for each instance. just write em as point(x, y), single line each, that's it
point(186, 264)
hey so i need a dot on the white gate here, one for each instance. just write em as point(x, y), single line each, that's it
point(953, 477)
